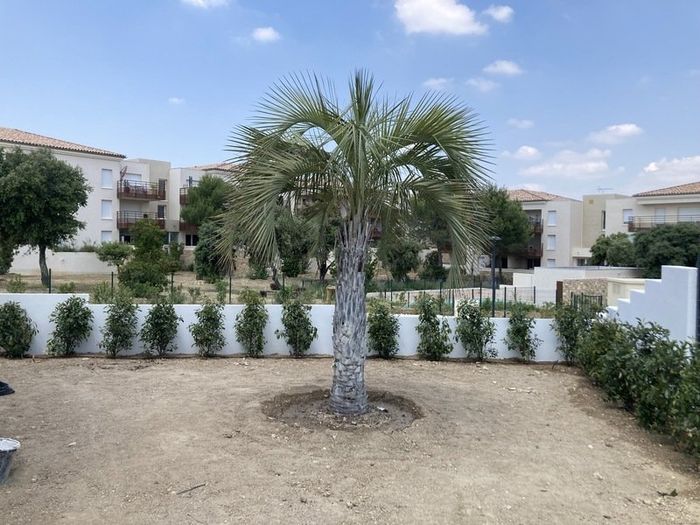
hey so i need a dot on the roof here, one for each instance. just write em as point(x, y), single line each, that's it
point(683, 189)
point(219, 166)
point(521, 195)
point(24, 138)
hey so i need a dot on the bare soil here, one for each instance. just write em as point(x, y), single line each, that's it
point(187, 441)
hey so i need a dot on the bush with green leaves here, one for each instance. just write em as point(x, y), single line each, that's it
point(432, 269)
point(685, 411)
point(119, 330)
point(434, 343)
point(221, 291)
point(256, 269)
point(382, 329)
point(570, 324)
point(7, 255)
point(145, 274)
point(208, 331)
point(475, 331)
point(520, 336)
point(159, 329)
point(207, 260)
point(299, 332)
point(16, 330)
point(101, 293)
point(73, 324)
point(114, 253)
point(250, 323)
point(68, 287)
point(16, 285)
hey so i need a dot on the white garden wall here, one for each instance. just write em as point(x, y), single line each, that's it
point(669, 302)
point(73, 263)
point(40, 306)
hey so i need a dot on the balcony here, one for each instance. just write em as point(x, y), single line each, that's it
point(185, 194)
point(532, 251)
point(186, 227)
point(141, 191)
point(126, 219)
point(536, 225)
point(647, 222)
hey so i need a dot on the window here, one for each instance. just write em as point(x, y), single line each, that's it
point(106, 209)
point(627, 215)
point(106, 236)
point(602, 220)
point(551, 242)
point(551, 218)
point(161, 211)
point(107, 179)
point(191, 240)
point(172, 237)
point(551, 263)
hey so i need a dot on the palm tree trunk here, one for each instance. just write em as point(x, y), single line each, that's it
point(348, 392)
point(42, 266)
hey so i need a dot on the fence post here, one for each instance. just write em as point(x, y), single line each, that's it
point(534, 295)
point(50, 280)
point(230, 286)
point(480, 293)
point(112, 283)
point(505, 299)
point(440, 297)
point(172, 282)
point(391, 293)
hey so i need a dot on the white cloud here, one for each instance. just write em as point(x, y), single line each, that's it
point(482, 84)
point(674, 171)
point(500, 13)
point(524, 153)
point(265, 34)
point(205, 4)
point(615, 134)
point(437, 84)
point(438, 16)
point(503, 67)
point(589, 165)
point(520, 123)
point(176, 101)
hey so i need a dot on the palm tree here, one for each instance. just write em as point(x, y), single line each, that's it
point(368, 159)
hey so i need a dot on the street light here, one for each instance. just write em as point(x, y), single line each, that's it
point(494, 241)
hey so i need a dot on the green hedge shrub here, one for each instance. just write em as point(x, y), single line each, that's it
point(475, 331)
point(250, 323)
point(208, 331)
point(434, 343)
point(382, 329)
point(73, 320)
point(16, 330)
point(159, 329)
point(299, 331)
point(520, 336)
point(570, 323)
point(120, 325)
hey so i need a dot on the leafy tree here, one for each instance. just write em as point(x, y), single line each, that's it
point(614, 250)
point(7, 254)
point(400, 256)
point(294, 243)
point(505, 219)
point(207, 261)
point(432, 269)
point(114, 253)
point(374, 159)
point(430, 227)
point(205, 200)
point(39, 199)
point(145, 274)
point(669, 244)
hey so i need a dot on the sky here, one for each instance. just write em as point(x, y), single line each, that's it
point(577, 96)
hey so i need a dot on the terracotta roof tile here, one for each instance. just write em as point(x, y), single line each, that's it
point(521, 195)
point(24, 138)
point(683, 189)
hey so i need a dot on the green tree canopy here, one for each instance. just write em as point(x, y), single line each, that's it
point(114, 253)
point(39, 200)
point(374, 159)
point(614, 250)
point(668, 244)
point(294, 240)
point(205, 200)
point(506, 220)
point(399, 256)
point(145, 274)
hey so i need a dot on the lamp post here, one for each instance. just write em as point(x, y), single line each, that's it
point(494, 240)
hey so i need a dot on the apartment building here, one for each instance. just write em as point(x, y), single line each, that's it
point(123, 190)
point(100, 168)
point(557, 230)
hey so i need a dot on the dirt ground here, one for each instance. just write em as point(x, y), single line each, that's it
point(185, 441)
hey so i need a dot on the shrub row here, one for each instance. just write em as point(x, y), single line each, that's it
point(641, 368)
point(73, 325)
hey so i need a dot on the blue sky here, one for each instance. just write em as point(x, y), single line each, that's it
point(577, 95)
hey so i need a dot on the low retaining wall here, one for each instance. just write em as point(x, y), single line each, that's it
point(73, 263)
point(40, 306)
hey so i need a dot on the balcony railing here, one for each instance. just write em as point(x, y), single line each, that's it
point(647, 222)
point(126, 219)
point(187, 227)
point(144, 191)
point(185, 193)
point(531, 251)
point(536, 225)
